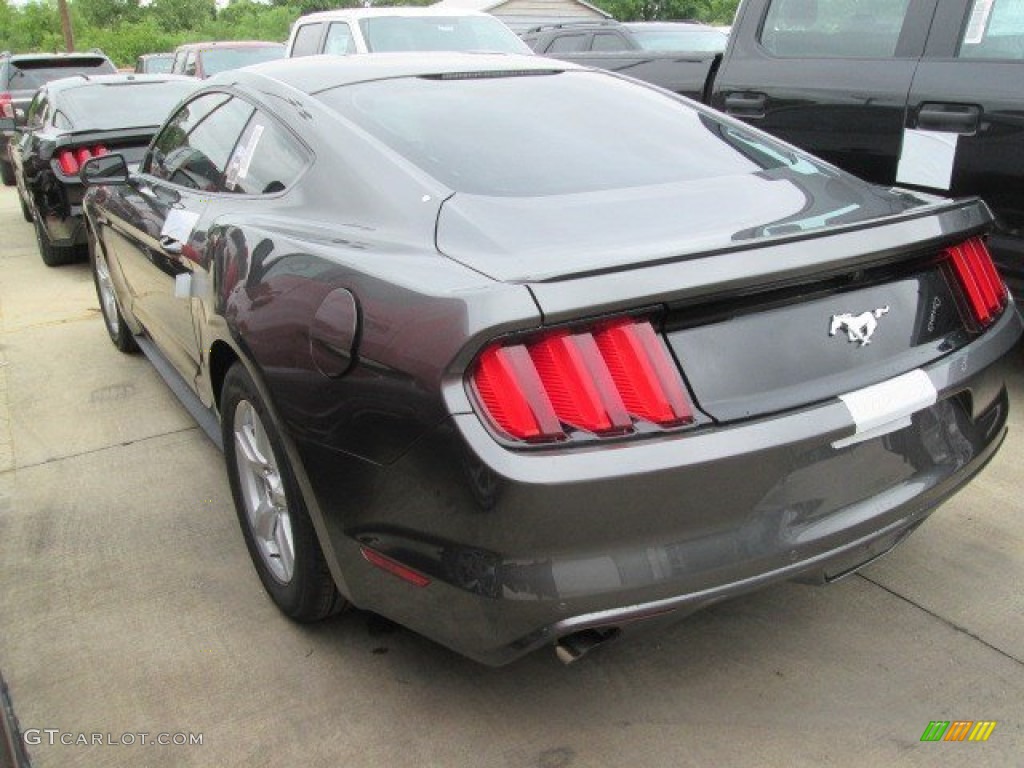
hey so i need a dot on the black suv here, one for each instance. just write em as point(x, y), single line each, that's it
point(20, 77)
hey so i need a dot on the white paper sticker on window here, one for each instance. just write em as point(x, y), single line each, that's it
point(979, 20)
point(250, 148)
point(178, 225)
point(927, 158)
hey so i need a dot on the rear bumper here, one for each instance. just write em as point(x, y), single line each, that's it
point(524, 547)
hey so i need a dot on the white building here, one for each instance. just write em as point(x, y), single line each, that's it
point(520, 15)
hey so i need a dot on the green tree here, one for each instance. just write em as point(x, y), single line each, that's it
point(179, 15)
point(106, 13)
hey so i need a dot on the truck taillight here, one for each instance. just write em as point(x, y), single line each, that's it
point(72, 160)
point(977, 277)
point(602, 380)
point(6, 105)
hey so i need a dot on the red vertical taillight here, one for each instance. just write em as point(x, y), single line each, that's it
point(644, 373)
point(976, 275)
point(513, 395)
point(6, 105)
point(72, 160)
point(67, 161)
point(601, 380)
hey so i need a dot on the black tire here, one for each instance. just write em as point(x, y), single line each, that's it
point(113, 319)
point(7, 173)
point(308, 593)
point(25, 210)
point(53, 255)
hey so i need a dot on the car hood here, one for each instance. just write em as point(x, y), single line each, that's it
point(530, 239)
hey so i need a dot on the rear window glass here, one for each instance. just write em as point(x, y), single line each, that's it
point(868, 29)
point(684, 38)
point(544, 134)
point(439, 33)
point(223, 59)
point(29, 75)
point(127, 105)
point(994, 30)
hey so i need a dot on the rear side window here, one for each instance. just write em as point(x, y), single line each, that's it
point(307, 38)
point(605, 41)
point(193, 148)
point(266, 160)
point(567, 44)
point(994, 30)
point(28, 75)
point(867, 29)
point(190, 63)
point(339, 39)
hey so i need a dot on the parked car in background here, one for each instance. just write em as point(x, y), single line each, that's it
point(71, 120)
point(380, 30)
point(154, 63)
point(917, 93)
point(205, 59)
point(612, 37)
point(21, 75)
point(562, 352)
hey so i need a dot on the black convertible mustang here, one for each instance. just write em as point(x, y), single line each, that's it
point(518, 353)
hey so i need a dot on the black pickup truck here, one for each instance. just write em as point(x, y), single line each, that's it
point(925, 94)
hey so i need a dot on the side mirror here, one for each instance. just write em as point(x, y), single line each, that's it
point(105, 169)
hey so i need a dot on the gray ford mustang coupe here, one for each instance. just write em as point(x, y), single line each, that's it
point(517, 353)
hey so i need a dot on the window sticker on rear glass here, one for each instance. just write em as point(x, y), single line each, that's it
point(238, 168)
point(978, 21)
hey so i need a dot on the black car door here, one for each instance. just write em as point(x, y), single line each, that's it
point(830, 76)
point(158, 228)
point(967, 111)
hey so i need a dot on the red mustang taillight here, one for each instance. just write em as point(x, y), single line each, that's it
point(600, 380)
point(71, 160)
point(6, 105)
point(977, 276)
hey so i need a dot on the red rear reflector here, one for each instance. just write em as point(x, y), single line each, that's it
point(644, 373)
point(983, 289)
point(67, 161)
point(395, 568)
point(598, 381)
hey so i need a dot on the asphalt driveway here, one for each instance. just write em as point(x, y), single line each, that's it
point(128, 606)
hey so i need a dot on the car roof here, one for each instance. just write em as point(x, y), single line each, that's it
point(155, 55)
point(229, 44)
point(312, 74)
point(78, 81)
point(399, 11)
point(15, 57)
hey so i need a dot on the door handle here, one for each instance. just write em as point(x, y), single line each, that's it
point(746, 104)
point(953, 118)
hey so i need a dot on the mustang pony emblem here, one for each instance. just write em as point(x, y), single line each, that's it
point(858, 327)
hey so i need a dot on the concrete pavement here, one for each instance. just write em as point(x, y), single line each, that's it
point(128, 605)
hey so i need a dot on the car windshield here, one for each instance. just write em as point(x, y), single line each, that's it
point(680, 38)
point(440, 33)
point(106, 106)
point(28, 75)
point(222, 59)
point(549, 133)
